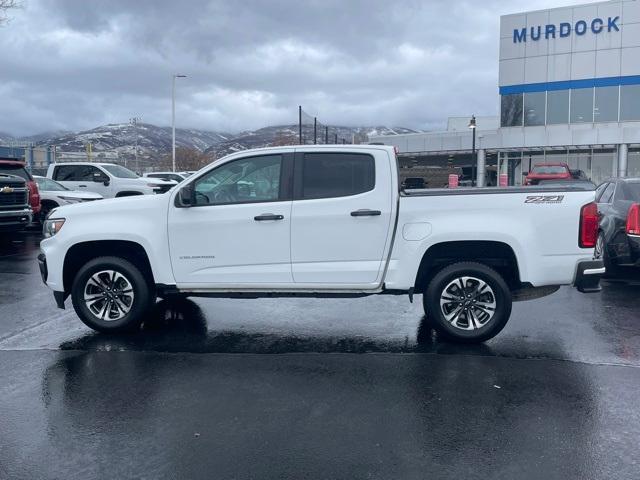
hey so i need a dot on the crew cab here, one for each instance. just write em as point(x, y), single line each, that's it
point(548, 171)
point(107, 179)
point(17, 168)
point(324, 221)
point(15, 211)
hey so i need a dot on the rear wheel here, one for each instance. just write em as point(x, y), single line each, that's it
point(600, 253)
point(468, 302)
point(111, 294)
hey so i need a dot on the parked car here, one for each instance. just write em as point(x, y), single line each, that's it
point(547, 171)
point(54, 194)
point(15, 210)
point(168, 176)
point(568, 183)
point(14, 167)
point(107, 179)
point(326, 221)
point(619, 233)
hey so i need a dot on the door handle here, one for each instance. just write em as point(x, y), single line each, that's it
point(84, 186)
point(366, 213)
point(268, 216)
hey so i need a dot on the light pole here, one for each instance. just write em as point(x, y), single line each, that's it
point(173, 119)
point(472, 126)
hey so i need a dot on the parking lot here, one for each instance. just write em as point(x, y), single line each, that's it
point(312, 388)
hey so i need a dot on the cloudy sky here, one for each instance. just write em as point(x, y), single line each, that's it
point(77, 64)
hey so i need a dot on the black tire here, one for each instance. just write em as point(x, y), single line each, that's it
point(139, 305)
point(611, 269)
point(45, 209)
point(468, 330)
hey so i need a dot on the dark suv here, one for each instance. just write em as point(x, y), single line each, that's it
point(16, 168)
point(619, 210)
point(15, 212)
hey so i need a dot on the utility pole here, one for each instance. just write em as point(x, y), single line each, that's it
point(315, 130)
point(173, 119)
point(472, 126)
point(134, 121)
point(326, 135)
point(300, 124)
point(335, 138)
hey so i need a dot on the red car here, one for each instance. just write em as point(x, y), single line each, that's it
point(14, 167)
point(548, 171)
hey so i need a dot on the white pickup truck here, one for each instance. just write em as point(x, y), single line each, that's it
point(106, 179)
point(325, 221)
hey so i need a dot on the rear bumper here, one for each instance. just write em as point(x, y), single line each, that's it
point(588, 276)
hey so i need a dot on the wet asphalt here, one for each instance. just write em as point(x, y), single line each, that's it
point(316, 388)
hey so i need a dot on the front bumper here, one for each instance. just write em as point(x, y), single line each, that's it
point(44, 273)
point(588, 276)
point(15, 219)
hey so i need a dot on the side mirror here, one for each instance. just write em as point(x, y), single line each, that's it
point(101, 178)
point(187, 196)
point(524, 174)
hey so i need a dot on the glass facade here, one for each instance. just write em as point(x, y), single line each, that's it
point(630, 102)
point(511, 110)
point(534, 108)
point(557, 107)
point(580, 105)
point(581, 110)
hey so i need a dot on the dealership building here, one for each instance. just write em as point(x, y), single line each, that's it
point(569, 92)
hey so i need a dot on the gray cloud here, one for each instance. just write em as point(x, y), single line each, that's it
point(74, 64)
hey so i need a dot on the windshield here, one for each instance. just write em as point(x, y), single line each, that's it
point(48, 185)
point(549, 169)
point(17, 170)
point(120, 172)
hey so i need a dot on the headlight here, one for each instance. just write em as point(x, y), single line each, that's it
point(70, 199)
point(51, 227)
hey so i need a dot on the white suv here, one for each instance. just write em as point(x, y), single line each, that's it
point(107, 179)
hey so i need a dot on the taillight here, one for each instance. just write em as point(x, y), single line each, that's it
point(588, 226)
point(633, 220)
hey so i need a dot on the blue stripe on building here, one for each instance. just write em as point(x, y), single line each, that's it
point(570, 84)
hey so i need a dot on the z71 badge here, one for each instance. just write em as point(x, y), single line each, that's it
point(544, 199)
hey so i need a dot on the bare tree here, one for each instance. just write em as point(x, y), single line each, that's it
point(186, 159)
point(5, 6)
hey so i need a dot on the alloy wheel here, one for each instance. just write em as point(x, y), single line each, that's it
point(468, 303)
point(108, 295)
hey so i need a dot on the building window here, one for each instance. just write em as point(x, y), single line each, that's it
point(557, 107)
point(511, 110)
point(582, 105)
point(606, 105)
point(630, 102)
point(534, 108)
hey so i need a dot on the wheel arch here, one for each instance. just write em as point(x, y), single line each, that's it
point(498, 255)
point(128, 193)
point(80, 253)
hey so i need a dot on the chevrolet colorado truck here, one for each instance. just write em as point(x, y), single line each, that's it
point(322, 221)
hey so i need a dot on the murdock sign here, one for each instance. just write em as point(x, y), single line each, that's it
point(565, 29)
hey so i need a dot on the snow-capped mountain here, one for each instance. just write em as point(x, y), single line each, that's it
point(289, 134)
point(115, 142)
point(121, 138)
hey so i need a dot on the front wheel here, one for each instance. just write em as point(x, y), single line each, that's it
point(468, 302)
point(111, 294)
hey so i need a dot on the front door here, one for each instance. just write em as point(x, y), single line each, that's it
point(237, 233)
point(341, 218)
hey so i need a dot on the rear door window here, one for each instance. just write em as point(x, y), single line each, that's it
point(327, 175)
point(607, 196)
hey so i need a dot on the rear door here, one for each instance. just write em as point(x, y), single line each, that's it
point(341, 217)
